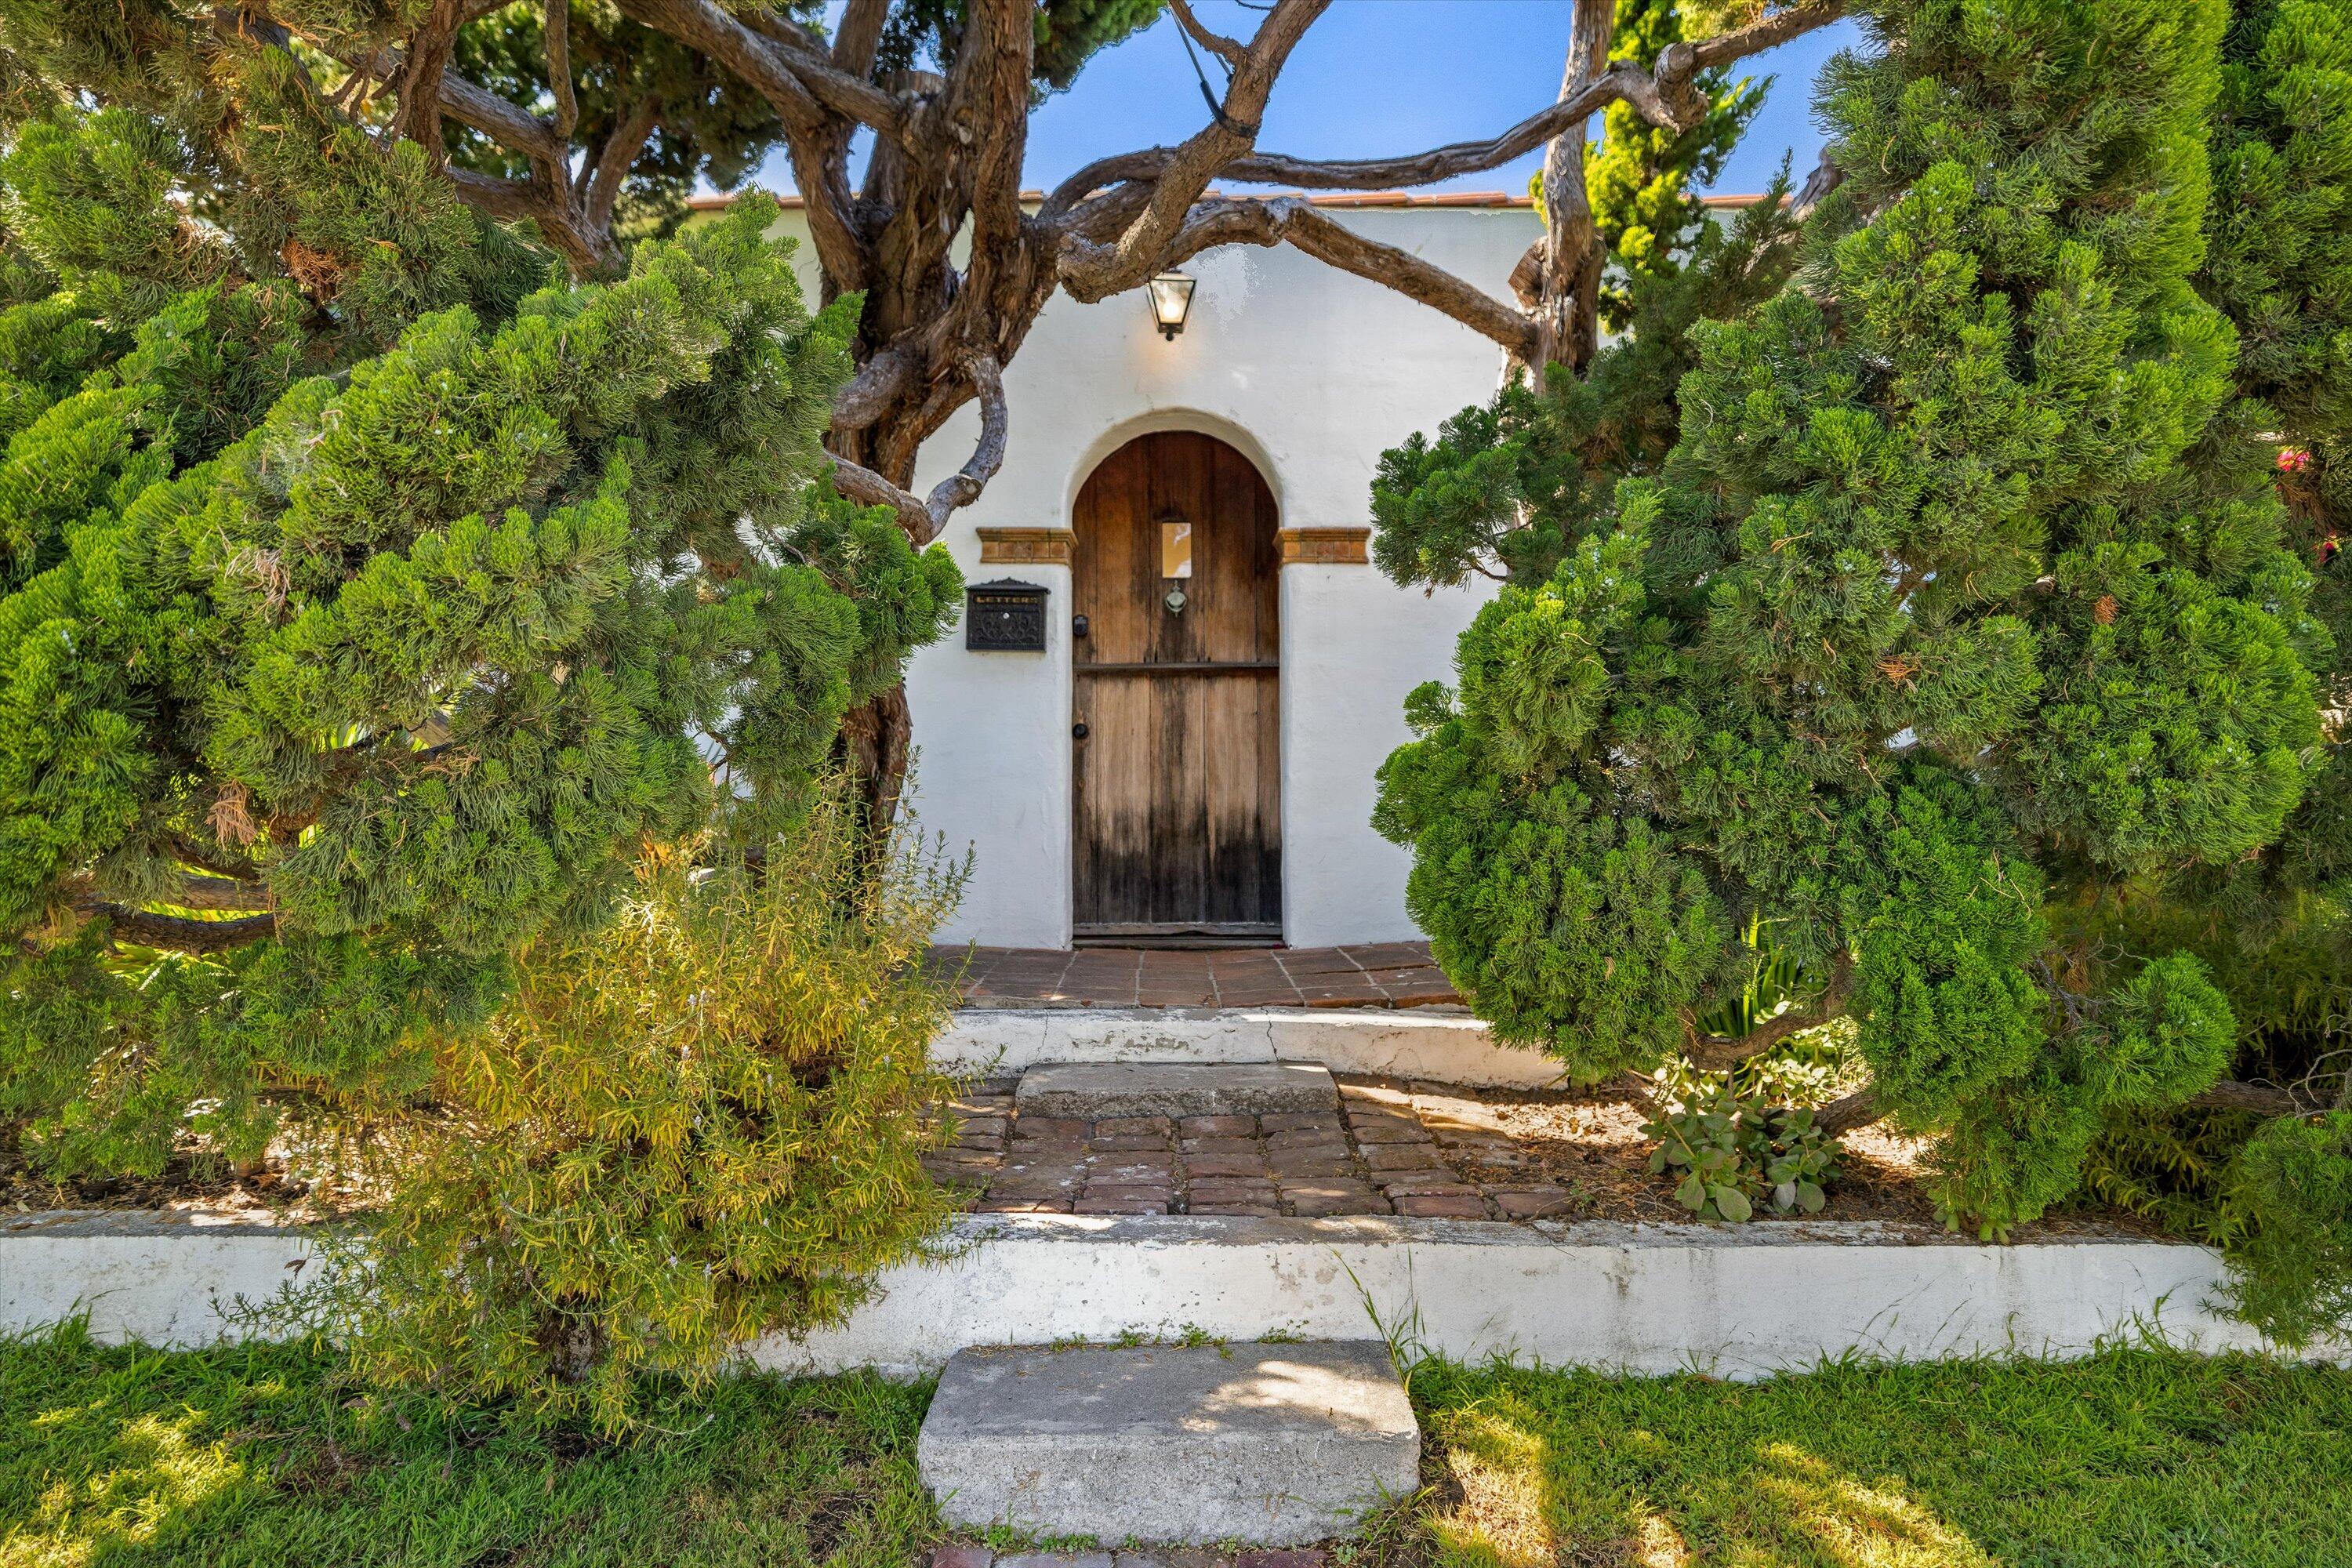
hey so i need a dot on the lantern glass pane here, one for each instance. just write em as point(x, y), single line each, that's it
point(1171, 294)
point(1175, 550)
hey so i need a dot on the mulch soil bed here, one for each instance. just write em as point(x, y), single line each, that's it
point(1394, 1147)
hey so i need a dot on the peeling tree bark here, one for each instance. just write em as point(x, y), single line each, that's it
point(1567, 306)
point(934, 335)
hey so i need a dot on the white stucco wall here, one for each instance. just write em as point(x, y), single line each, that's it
point(1312, 374)
point(992, 767)
point(1353, 645)
point(1739, 1301)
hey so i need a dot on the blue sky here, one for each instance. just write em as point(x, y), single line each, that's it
point(1379, 77)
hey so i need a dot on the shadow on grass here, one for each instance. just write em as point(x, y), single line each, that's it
point(258, 1454)
point(2131, 1457)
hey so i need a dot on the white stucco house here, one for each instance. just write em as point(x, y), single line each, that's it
point(1191, 752)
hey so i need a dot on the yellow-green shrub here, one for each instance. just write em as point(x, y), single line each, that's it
point(698, 1124)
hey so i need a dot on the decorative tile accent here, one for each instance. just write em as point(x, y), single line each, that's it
point(1325, 547)
point(1025, 546)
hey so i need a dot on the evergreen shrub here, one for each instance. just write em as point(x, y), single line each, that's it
point(368, 593)
point(1957, 596)
point(2275, 928)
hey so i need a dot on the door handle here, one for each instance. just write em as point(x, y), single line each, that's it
point(1078, 730)
point(1078, 625)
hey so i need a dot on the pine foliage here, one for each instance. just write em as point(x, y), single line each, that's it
point(368, 597)
point(1495, 493)
point(1643, 179)
point(2276, 929)
point(1959, 595)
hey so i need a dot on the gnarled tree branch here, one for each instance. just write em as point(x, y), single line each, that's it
point(1217, 44)
point(558, 70)
point(1720, 1053)
point(2262, 1099)
point(1567, 306)
point(611, 170)
point(219, 894)
point(1094, 271)
point(801, 83)
point(925, 520)
point(1843, 1114)
point(178, 933)
point(963, 486)
point(1657, 94)
point(863, 485)
point(417, 84)
point(859, 36)
point(1295, 221)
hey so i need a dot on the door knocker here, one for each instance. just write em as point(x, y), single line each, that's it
point(1175, 559)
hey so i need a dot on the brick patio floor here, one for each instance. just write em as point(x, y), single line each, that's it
point(1385, 1151)
point(1386, 975)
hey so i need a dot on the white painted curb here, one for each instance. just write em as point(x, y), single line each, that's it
point(1738, 1301)
point(167, 1279)
point(1442, 1048)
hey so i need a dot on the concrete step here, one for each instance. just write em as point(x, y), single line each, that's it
point(1272, 1445)
point(1090, 1091)
point(1447, 1047)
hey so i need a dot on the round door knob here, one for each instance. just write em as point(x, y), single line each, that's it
point(1078, 730)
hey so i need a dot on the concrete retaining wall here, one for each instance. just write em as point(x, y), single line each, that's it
point(1735, 1301)
point(1445, 1047)
point(166, 1279)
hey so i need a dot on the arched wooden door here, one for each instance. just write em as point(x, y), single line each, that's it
point(1177, 799)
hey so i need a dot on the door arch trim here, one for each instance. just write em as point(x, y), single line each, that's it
point(1156, 421)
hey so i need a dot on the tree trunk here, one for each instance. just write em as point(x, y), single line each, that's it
point(876, 743)
point(878, 736)
point(1567, 304)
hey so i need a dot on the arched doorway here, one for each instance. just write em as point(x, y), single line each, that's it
point(1176, 802)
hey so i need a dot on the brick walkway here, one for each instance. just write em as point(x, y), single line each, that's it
point(1388, 974)
point(1384, 1152)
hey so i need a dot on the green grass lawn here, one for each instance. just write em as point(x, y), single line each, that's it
point(2135, 1457)
point(260, 1455)
point(256, 1455)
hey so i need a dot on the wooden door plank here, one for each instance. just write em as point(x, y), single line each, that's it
point(1177, 788)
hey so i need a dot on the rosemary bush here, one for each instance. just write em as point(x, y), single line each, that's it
point(698, 1125)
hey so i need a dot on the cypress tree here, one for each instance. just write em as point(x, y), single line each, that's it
point(371, 592)
point(1644, 179)
point(2271, 1182)
point(1497, 491)
point(1947, 608)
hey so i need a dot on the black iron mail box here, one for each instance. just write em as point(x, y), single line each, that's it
point(1004, 616)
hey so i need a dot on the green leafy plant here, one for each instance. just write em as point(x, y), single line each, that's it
point(363, 606)
point(2275, 928)
point(2292, 1185)
point(1729, 1152)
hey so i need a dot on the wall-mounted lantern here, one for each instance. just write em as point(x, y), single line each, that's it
point(1172, 300)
